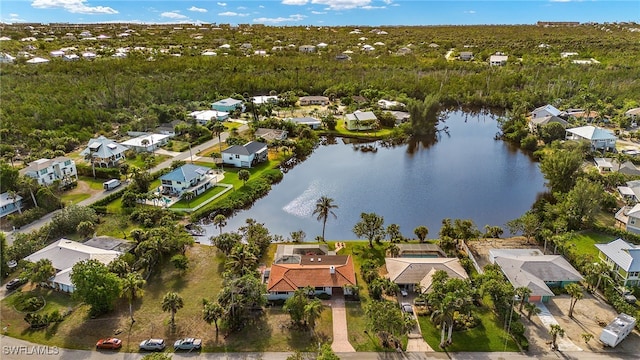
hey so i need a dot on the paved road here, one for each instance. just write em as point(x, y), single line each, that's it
point(14, 349)
point(96, 197)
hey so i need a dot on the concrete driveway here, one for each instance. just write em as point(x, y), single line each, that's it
point(340, 333)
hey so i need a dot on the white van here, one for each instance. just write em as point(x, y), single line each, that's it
point(111, 184)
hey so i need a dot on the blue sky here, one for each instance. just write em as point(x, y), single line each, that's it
point(320, 12)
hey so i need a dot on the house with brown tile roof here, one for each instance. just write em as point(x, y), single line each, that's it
point(330, 274)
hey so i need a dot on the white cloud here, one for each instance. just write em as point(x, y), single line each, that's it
point(291, 18)
point(231, 13)
point(560, 1)
point(222, 4)
point(295, 2)
point(318, 12)
point(13, 15)
point(173, 15)
point(193, 8)
point(470, 12)
point(73, 6)
point(245, 8)
point(369, 7)
point(388, 2)
point(342, 4)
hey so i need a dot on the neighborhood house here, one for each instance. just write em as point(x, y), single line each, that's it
point(9, 203)
point(228, 105)
point(104, 152)
point(46, 171)
point(314, 100)
point(599, 138)
point(246, 156)
point(203, 117)
point(146, 143)
point(416, 273)
point(64, 254)
point(623, 259)
point(187, 178)
point(309, 121)
point(361, 120)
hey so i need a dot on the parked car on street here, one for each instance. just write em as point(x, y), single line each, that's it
point(15, 283)
point(109, 343)
point(152, 345)
point(188, 344)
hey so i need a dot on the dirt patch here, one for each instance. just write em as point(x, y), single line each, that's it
point(83, 188)
point(480, 249)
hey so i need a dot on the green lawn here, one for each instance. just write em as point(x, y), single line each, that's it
point(139, 163)
point(94, 184)
point(183, 204)
point(341, 130)
point(489, 335)
point(584, 242)
point(70, 199)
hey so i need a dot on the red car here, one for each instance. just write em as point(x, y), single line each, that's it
point(109, 343)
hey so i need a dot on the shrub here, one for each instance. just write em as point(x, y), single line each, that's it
point(27, 217)
point(323, 296)
point(101, 173)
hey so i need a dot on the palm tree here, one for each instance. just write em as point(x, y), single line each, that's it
point(324, 208)
point(220, 221)
point(212, 312)
point(575, 291)
point(444, 316)
point(421, 232)
point(394, 250)
point(531, 309)
point(132, 288)
point(172, 302)
point(217, 129)
point(523, 293)
point(555, 331)
point(241, 259)
point(13, 196)
point(312, 312)
point(188, 195)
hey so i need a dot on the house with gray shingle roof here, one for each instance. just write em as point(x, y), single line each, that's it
point(547, 110)
point(600, 139)
point(46, 171)
point(624, 260)
point(360, 120)
point(245, 156)
point(536, 123)
point(537, 272)
point(187, 178)
point(104, 152)
point(412, 273)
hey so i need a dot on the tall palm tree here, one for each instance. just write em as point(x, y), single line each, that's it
point(212, 312)
point(220, 221)
point(394, 250)
point(172, 302)
point(241, 260)
point(444, 316)
point(523, 292)
point(312, 313)
point(575, 291)
point(531, 309)
point(217, 129)
point(555, 331)
point(132, 288)
point(324, 208)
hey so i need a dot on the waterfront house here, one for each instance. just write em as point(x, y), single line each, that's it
point(538, 122)
point(600, 139)
point(360, 120)
point(47, 171)
point(270, 134)
point(309, 121)
point(543, 111)
point(245, 156)
point(187, 178)
point(416, 273)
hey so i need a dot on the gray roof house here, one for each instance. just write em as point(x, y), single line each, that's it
point(600, 139)
point(612, 165)
point(408, 272)
point(547, 110)
point(537, 122)
point(536, 272)
point(246, 155)
point(186, 178)
point(311, 122)
point(360, 120)
point(624, 260)
point(104, 152)
point(270, 134)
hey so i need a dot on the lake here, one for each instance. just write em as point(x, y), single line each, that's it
point(465, 174)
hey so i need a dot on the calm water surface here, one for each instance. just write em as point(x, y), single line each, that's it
point(465, 174)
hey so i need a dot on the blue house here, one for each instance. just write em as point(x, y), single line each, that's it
point(228, 105)
point(188, 177)
point(9, 205)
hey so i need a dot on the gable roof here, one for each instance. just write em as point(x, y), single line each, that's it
point(625, 255)
point(549, 108)
point(592, 133)
point(252, 147)
point(290, 277)
point(6, 200)
point(549, 119)
point(420, 270)
point(151, 139)
point(305, 120)
point(103, 147)
point(534, 271)
point(186, 173)
point(65, 253)
point(362, 116)
point(40, 164)
point(634, 111)
point(228, 102)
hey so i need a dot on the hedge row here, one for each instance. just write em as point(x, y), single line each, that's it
point(242, 198)
point(101, 173)
point(630, 237)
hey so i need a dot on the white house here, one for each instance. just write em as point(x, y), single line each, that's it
point(9, 204)
point(265, 99)
point(146, 143)
point(629, 216)
point(498, 60)
point(6, 58)
point(547, 110)
point(46, 171)
point(104, 152)
point(633, 114)
point(64, 254)
point(600, 139)
point(307, 48)
point(360, 120)
point(203, 117)
point(309, 121)
point(314, 100)
point(187, 178)
point(246, 155)
point(388, 104)
point(624, 260)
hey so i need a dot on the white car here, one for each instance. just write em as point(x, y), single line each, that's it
point(406, 307)
point(152, 345)
point(188, 344)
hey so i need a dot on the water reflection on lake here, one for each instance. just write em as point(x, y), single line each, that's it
point(465, 174)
